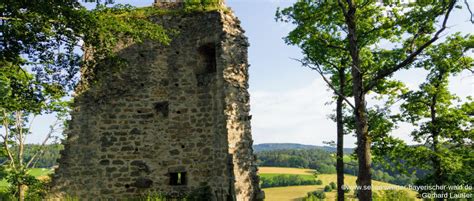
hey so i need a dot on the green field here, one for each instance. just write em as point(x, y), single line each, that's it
point(270, 175)
point(294, 193)
point(37, 172)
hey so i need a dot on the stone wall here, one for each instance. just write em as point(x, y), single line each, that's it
point(172, 120)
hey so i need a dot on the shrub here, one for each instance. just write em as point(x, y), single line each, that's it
point(5, 195)
point(315, 195)
point(327, 188)
point(333, 185)
point(347, 189)
point(35, 189)
point(392, 195)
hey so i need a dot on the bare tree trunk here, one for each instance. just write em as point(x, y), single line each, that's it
point(364, 177)
point(340, 137)
point(438, 175)
point(21, 192)
point(340, 152)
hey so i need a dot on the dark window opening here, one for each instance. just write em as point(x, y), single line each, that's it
point(162, 107)
point(207, 65)
point(178, 178)
point(208, 56)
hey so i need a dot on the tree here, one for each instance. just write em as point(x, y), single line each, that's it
point(40, 58)
point(337, 82)
point(22, 99)
point(357, 28)
point(443, 127)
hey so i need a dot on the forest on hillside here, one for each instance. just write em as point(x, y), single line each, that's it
point(47, 157)
point(325, 163)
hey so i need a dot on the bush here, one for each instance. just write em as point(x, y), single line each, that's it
point(327, 188)
point(347, 189)
point(392, 195)
point(5, 195)
point(315, 195)
point(318, 182)
point(35, 189)
point(333, 185)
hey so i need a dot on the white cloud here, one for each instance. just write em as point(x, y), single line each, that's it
point(297, 116)
point(300, 115)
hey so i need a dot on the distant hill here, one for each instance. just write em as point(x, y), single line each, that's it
point(283, 146)
point(322, 159)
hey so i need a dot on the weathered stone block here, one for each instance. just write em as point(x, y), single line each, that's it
point(143, 183)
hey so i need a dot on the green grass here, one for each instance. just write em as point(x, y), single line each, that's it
point(37, 172)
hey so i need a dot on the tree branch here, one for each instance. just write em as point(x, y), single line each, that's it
point(386, 72)
point(5, 139)
point(344, 11)
point(40, 151)
point(327, 44)
point(318, 69)
point(21, 141)
point(470, 12)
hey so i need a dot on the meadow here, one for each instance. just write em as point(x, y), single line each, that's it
point(296, 193)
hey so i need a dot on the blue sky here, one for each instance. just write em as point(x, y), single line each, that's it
point(289, 102)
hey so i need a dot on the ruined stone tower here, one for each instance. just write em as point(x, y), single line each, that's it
point(174, 120)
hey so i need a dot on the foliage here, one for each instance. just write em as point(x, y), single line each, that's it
point(333, 185)
point(347, 190)
point(443, 123)
point(49, 154)
point(40, 59)
point(202, 5)
point(315, 196)
point(286, 180)
point(323, 162)
point(37, 189)
point(327, 188)
point(392, 195)
point(6, 195)
point(45, 36)
point(328, 32)
point(311, 158)
point(283, 146)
